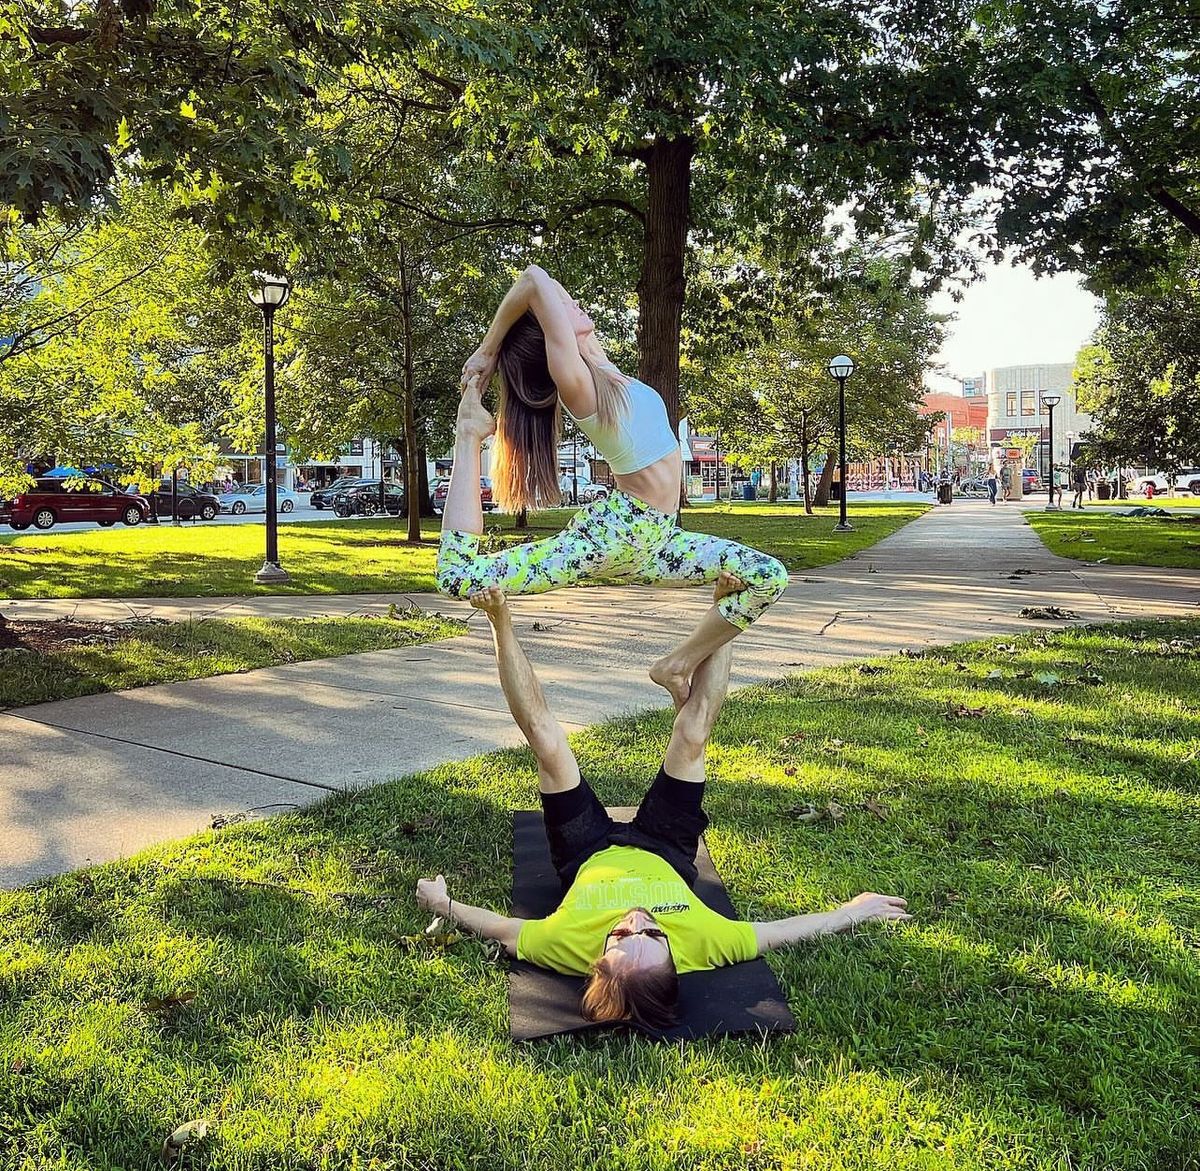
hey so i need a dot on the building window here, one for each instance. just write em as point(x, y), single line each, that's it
point(1010, 404)
point(1028, 406)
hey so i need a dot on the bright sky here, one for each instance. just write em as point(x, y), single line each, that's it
point(1011, 318)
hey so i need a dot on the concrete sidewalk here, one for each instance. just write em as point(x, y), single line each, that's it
point(96, 778)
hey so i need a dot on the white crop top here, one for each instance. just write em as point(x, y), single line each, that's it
point(642, 435)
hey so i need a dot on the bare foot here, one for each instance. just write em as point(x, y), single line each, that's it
point(727, 583)
point(474, 421)
point(491, 601)
point(667, 675)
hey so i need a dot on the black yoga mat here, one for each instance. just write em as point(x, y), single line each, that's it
point(741, 998)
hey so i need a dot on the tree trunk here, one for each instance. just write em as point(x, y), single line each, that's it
point(822, 493)
point(773, 485)
point(661, 286)
point(804, 484)
point(412, 479)
point(426, 503)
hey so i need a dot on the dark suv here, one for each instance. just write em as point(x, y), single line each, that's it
point(192, 502)
point(323, 497)
point(362, 498)
point(60, 501)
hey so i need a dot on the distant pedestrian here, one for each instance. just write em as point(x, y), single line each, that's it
point(993, 484)
point(1079, 482)
point(1059, 483)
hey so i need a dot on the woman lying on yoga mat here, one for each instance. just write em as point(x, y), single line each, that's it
point(545, 348)
point(629, 919)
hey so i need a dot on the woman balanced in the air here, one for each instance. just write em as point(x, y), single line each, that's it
point(545, 349)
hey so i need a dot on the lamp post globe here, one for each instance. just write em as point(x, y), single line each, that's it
point(268, 293)
point(841, 368)
point(1050, 401)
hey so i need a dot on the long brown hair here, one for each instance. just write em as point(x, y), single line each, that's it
point(646, 996)
point(529, 417)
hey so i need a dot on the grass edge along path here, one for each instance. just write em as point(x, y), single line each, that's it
point(1083, 535)
point(1035, 800)
point(370, 556)
point(121, 655)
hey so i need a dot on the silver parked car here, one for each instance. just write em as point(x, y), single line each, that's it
point(253, 498)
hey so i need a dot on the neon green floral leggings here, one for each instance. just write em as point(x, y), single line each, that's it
point(617, 539)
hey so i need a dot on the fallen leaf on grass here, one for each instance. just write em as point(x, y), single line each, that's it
point(794, 738)
point(870, 669)
point(1091, 677)
point(994, 673)
point(168, 1004)
point(1048, 679)
point(908, 654)
point(811, 814)
point(174, 1143)
point(1008, 648)
point(960, 711)
point(18, 1065)
point(876, 808)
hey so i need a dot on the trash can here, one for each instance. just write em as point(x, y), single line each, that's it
point(1103, 492)
point(835, 490)
point(748, 492)
point(945, 493)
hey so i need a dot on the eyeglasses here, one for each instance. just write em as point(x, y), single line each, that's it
point(619, 933)
point(626, 932)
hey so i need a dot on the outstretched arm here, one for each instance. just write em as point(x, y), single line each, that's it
point(862, 909)
point(432, 896)
point(536, 290)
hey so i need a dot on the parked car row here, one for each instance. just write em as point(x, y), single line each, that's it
point(55, 500)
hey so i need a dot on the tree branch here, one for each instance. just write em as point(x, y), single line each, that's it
point(59, 36)
point(475, 225)
point(1157, 191)
point(455, 88)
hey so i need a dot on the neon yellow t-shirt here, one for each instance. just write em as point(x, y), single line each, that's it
point(607, 886)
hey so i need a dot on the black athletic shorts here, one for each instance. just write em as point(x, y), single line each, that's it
point(669, 823)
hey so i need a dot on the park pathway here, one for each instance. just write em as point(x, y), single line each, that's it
point(92, 779)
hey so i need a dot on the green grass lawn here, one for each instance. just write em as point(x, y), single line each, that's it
point(1169, 502)
point(172, 651)
point(333, 557)
point(1036, 802)
point(1120, 540)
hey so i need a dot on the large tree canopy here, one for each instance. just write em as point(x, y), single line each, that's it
point(1097, 132)
point(775, 400)
point(1140, 378)
point(224, 100)
point(716, 120)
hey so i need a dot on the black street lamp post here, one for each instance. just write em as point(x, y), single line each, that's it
point(270, 293)
point(841, 368)
point(1050, 401)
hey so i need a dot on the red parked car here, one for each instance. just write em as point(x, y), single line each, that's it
point(485, 494)
point(57, 501)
